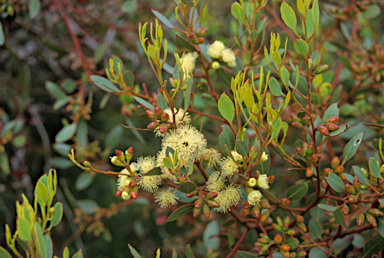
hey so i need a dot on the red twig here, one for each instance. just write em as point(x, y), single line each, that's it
point(238, 243)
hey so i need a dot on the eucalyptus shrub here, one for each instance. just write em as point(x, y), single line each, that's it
point(275, 105)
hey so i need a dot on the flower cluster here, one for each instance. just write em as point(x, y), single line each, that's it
point(218, 51)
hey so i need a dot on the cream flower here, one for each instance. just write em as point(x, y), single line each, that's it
point(228, 166)
point(146, 164)
point(166, 198)
point(229, 57)
point(254, 197)
point(237, 157)
point(149, 183)
point(262, 181)
point(214, 50)
point(125, 195)
point(211, 155)
point(228, 197)
point(215, 182)
point(123, 180)
point(181, 116)
point(188, 63)
point(264, 157)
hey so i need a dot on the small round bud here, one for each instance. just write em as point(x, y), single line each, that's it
point(324, 131)
point(52, 210)
point(215, 65)
point(300, 219)
point(130, 150)
point(198, 203)
point(271, 179)
point(327, 171)
point(278, 238)
point(152, 125)
point(332, 127)
point(286, 248)
point(297, 125)
point(300, 151)
point(134, 195)
point(118, 153)
point(212, 195)
point(196, 212)
point(285, 202)
point(149, 113)
point(132, 184)
point(339, 169)
point(118, 193)
point(163, 129)
point(164, 117)
point(335, 162)
point(314, 158)
point(158, 111)
point(87, 164)
point(309, 172)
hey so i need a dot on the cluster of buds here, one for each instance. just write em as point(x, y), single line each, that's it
point(329, 125)
point(300, 223)
point(335, 168)
point(256, 209)
point(204, 203)
point(263, 243)
point(122, 159)
point(129, 191)
point(160, 120)
point(370, 215)
point(283, 226)
point(308, 152)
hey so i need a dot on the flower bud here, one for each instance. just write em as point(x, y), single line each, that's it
point(149, 113)
point(339, 169)
point(256, 212)
point(265, 216)
point(332, 127)
point(206, 210)
point(303, 254)
point(118, 193)
point(271, 179)
point(213, 203)
point(153, 125)
point(52, 211)
point(350, 189)
point(360, 219)
point(287, 220)
point(356, 182)
point(278, 238)
point(265, 204)
point(132, 184)
point(87, 164)
point(252, 182)
point(327, 171)
point(382, 169)
point(314, 158)
point(196, 212)
point(324, 131)
point(116, 161)
point(371, 220)
point(118, 153)
point(164, 117)
point(365, 172)
point(352, 199)
point(134, 195)
point(215, 65)
point(376, 212)
point(285, 202)
point(321, 69)
point(301, 152)
point(286, 248)
point(300, 219)
point(212, 195)
point(279, 221)
point(335, 162)
point(309, 172)
point(158, 111)
point(163, 129)
point(302, 227)
point(297, 125)
point(198, 203)
point(345, 210)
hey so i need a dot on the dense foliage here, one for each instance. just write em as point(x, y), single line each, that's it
point(218, 129)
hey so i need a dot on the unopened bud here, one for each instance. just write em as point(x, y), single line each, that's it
point(158, 111)
point(265, 216)
point(132, 184)
point(302, 227)
point(376, 212)
point(134, 195)
point(196, 212)
point(301, 152)
point(356, 182)
point(321, 69)
point(327, 171)
point(339, 169)
point(297, 125)
point(286, 248)
point(130, 150)
point(335, 162)
point(271, 179)
point(314, 158)
point(118, 153)
point(309, 172)
point(324, 131)
point(198, 203)
point(87, 164)
point(371, 219)
point(152, 125)
point(345, 210)
point(303, 254)
point(149, 113)
point(352, 199)
point(191, 194)
point(163, 129)
point(285, 202)
point(382, 169)
point(332, 127)
point(164, 117)
point(206, 210)
point(118, 193)
point(212, 195)
point(116, 161)
point(291, 232)
point(360, 219)
point(300, 219)
point(215, 65)
point(350, 189)
point(256, 212)
point(287, 220)
point(252, 182)
point(365, 172)
point(278, 238)
point(213, 203)
point(265, 204)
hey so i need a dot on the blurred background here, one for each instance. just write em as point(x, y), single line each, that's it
point(50, 48)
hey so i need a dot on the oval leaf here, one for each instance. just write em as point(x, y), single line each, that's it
point(180, 212)
point(374, 245)
point(66, 133)
point(374, 168)
point(187, 187)
point(275, 88)
point(351, 147)
point(237, 11)
point(297, 192)
point(226, 108)
point(360, 175)
point(288, 15)
point(335, 182)
point(104, 84)
point(327, 207)
point(301, 47)
point(315, 228)
point(163, 19)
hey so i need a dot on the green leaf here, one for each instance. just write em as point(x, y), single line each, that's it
point(380, 225)
point(42, 193)
point(327, 207)
point(24, 229)
point(351, 147)
point(189, 252)
point(293, 243)
point(55, 90)
point(331, 111)
point(66, 133)
point(174, 254)
point(84, 180)
point(310, 25)
point(100, 53)
point(179, 99)
point(188, 93)
point(231, 238)
point(374, 245)
point(316, 13)
point(161, 102)
point(129, 78)
point(154, 172)
point(371, 12)
point(2, 37)
point(226, 140)
point(187, 187)
point(48, 247)
point(104, 84)
point(34, 8)
point(342, 129)
point(226, 108)
point(289, 16)
point(66, 252)
point(285, 75)
point(242, 254)
point(163, 19)
point(339, 218)
point(38, 238)
point(180, 212)
point(358, 241)
point(242, 148)
point(134, 252)
point(297, 192)
point(210, 236)
point(301, 47)
point(78, 254)
point(61, 163)
point(57, 216)
point(275, 88)
point(315, 228)
point(276, 128)
point(316, 253)
point(184, 45)
point(4, 253)
point(374, 168)
point(335, 182)
point(114, 137)
point(237, 11)
point(360, 175)
point(82, 132)
point(129, 6)
point(144, 103)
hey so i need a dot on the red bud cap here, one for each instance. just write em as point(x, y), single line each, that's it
point(158, 111)
point(333, 119)
point(286, 248)
point(130, 150)
point(327, 171)
point(152, 125)
point(118, 193)
point(285, 201)
point(164, 117)
point(212, 195)
point(339, 169)
point(300, 219)
point(324, 131)
point(132, 184)
point(309, 172)
point(332, 127)
point(335, 162)
point(118, 153)
point(297, 125)
point(134, 195)
point(278, 238)
point(163, 129)
point(149, 113)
